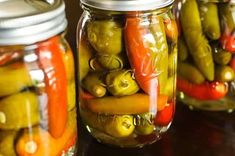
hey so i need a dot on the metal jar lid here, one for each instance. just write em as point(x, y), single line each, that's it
point(127, 5)
point(30, 21)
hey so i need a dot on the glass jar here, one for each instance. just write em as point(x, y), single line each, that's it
point(206, 69)
point(37, 84)
point(127, 70)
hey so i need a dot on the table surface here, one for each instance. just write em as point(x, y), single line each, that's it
point(193, 133)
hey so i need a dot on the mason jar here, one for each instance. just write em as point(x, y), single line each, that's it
point(127, 52)
point(206, 66)
point(37, 84)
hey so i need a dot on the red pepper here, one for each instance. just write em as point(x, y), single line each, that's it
point(227, 41)
point(140, 55)
point(51, 63)
point(205, 91)
point(165, 116)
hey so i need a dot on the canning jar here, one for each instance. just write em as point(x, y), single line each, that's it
point(37, 84)
point(206, 66)
point(127, 70)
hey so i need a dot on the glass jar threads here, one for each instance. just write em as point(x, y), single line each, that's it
point(37, 87)
point(127, 70)
point(206, 62)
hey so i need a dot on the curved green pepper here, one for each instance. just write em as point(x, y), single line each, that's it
point(210, 19)
point(190, 73)
point(197, 43)
point(105, 36)
point(121, 83)
point(19, 110)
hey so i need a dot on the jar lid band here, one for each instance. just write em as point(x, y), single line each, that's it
point(127, 5)
point(30, 21)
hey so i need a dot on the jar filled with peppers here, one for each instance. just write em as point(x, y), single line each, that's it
point(37, 84)
point(206, 47)
point(127, 52)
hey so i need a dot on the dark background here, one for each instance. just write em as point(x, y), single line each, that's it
point(193, 133)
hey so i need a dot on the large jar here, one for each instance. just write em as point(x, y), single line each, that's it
point(37, 87)
point(127, 70)
point(206, 66)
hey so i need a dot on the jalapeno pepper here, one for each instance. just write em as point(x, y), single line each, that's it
point(205, 91)
point(51, 63)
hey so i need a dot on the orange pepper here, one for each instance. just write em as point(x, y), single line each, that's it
point(39, 142)
point(131, 104)
point(51, 63)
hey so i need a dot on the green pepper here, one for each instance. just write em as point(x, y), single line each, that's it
point(172, 61)
point(93, 83)
point(224, 73)
point(84, 55)
point(13, 79)
point(160, 49)
point(197, 43)
point(182, 50)
point(105, 36)
point(169, 89)
point(121, 83)
point(226, 11)
point(221, 56)
point(114, 125)
point(190, 73)
point(144, 124)
point(19, 110)
point(7, 143)
point(210, 19)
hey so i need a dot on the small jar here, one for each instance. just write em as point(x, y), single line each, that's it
point(206, 66)
point(127, 70)
point(37, 84)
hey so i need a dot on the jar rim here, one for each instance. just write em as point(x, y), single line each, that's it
point(127, 5)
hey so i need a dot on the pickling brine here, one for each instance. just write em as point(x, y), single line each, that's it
point(127, 71)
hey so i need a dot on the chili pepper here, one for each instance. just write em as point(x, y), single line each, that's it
point(51, 63)
point(39, 142)
point(228, 42)
point(142, 57)
point(132, 104)
point(205, 91)
point(197, 43)
point(165, 116)
point(232, 62)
